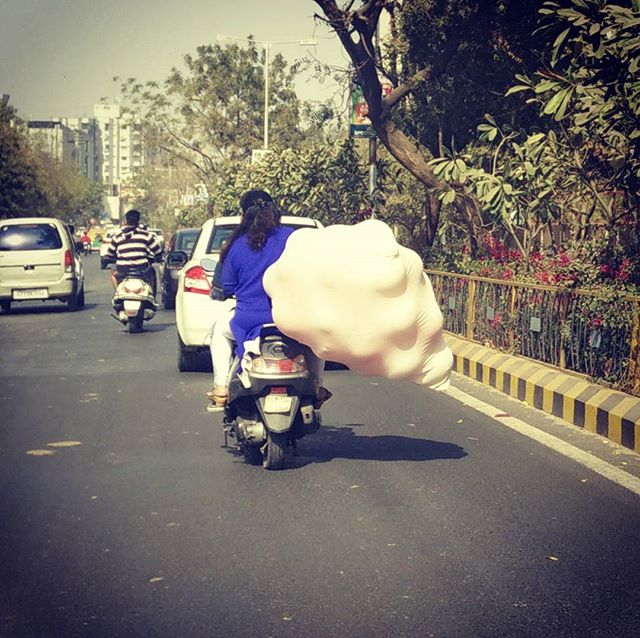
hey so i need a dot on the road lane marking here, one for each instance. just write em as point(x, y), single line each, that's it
point(595, 464)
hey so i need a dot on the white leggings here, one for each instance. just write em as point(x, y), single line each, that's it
point(222, 345)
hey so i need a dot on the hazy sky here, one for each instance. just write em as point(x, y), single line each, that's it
point(58, 57)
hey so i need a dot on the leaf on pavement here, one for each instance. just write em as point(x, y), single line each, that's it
point(64, 443)
point(41, 452)
point(156, 579)
point(554, 558)
point(459, 421)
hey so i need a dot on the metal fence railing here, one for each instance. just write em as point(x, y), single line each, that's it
point(597, 335)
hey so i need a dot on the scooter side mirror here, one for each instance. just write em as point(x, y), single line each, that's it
point(208, 264)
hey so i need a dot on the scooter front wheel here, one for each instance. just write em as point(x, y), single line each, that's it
point(274, 452)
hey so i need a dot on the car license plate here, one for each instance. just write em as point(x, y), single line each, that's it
point(31, 293)
point(277, 403)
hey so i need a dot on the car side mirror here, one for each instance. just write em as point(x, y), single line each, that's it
point(177, 259)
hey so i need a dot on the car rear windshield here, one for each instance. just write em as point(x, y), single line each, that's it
point(29, 237)
point(186, 239)
point(222, 233)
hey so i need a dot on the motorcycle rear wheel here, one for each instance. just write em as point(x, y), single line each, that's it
point(274, 452)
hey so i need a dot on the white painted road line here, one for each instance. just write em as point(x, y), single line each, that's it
point(595, 464)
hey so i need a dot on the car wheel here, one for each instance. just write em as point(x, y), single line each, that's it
point(81, 299)
point(5, 305)
point(73, 302)
point(168, 301)
point(187, 359)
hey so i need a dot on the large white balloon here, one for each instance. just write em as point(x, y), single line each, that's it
point(355, 296)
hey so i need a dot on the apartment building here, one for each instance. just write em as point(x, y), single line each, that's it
point(107, 148)
point(88, 144)
point(54, 138)
point(122, 152)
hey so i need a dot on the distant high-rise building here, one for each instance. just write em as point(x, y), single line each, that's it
point(107, 148)
point(88, 144)
point(54, 138)
point(122, 152)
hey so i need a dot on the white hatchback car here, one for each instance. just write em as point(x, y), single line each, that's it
point(195, 309)
point(104, 246)
point(39, 260)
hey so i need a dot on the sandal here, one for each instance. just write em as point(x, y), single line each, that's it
point(218, 396)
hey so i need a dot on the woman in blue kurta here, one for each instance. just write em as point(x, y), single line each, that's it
point(255, 244)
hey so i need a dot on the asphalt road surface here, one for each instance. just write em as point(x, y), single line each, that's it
point(408, 514)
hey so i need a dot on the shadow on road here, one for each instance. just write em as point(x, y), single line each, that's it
point(48, 307)
point(341, 442)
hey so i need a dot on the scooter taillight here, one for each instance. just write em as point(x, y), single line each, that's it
point(135, 289)
point(265, 365)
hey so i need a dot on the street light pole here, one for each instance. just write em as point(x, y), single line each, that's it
point(266, 44)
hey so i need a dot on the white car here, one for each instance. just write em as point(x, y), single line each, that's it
point(159, 236)
point(104, 247)
point(195, 309)
point(39, 260)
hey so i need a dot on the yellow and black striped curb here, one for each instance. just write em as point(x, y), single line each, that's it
point(610, 413)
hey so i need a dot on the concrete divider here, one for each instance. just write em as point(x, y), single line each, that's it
point(610, 413)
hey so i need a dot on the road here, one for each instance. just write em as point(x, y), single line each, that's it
point(408, 514)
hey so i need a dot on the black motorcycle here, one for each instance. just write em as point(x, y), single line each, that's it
point(272, 402)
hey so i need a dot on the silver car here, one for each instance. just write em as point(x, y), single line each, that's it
point(39, 260)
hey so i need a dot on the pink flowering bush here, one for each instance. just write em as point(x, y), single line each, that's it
point(578, 265)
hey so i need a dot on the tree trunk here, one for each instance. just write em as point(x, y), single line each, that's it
point(431, 208)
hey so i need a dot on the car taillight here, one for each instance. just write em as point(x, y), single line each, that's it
point(68, 261)
point(195, 280)
point(265, 365)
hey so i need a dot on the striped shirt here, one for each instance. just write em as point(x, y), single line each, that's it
point(133, 246)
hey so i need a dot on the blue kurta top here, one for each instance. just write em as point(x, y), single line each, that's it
point(242, 273)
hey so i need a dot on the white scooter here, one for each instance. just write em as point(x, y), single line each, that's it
point(133, 302)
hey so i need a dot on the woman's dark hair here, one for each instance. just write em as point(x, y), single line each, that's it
point(260, 216)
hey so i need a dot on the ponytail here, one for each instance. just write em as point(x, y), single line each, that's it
point(259, 217)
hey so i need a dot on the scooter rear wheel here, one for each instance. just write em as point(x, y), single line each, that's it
point(135, 324)
point(252, 454)
point(274, 453)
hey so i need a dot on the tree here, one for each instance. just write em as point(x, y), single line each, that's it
point(492, 41)
point(588, 84)
point(324, 181)
point(212, 110)
point(459, 28)
point(20, 191)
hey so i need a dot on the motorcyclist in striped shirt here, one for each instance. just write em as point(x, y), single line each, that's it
point(134, 248)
